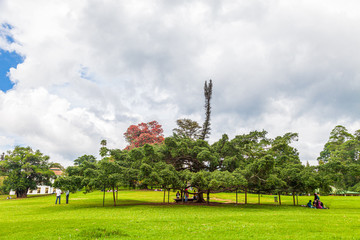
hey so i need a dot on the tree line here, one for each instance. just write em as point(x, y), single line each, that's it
point(251, 163)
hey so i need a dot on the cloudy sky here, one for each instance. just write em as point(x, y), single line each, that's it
point(75, 72)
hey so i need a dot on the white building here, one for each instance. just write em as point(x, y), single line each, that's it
point(43, 189)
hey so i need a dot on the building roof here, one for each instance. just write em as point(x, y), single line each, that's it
point(57, 171)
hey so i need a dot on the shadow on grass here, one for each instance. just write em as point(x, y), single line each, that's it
point(98, 232)
point(130, 203)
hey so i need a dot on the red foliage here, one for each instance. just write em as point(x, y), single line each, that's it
point(139, 135)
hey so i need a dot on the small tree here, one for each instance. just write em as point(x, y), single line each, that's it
point(187, 128)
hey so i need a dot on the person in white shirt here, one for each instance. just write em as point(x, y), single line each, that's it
point(58, 195)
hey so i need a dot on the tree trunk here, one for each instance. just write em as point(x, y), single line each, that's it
point(208, 197)
point(200, 197)
point(113, 188)
point(104, 197)
point(22, 193)
point(245, 195)
point(236, 197)
point(182, 199)
point(293, 198)
point(164, 196)
point(279, 199)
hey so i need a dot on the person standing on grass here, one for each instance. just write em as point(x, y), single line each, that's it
point(67, 196)
point(186, 195)
point(316, 197)
point(58, 195)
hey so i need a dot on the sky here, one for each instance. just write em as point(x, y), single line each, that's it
point(75, 72)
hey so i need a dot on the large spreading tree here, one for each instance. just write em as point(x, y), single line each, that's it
point(25, 169)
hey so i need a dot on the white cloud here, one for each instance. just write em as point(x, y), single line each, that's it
point(92, 68)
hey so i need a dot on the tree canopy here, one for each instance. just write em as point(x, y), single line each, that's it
point(250, 162)
point(339, 162)
point(143, 133)
point(25, 169)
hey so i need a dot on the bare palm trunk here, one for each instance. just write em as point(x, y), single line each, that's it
point(206, 126)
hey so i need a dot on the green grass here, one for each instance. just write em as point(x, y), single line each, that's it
point(140, 215)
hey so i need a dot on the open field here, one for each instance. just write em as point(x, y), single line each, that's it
point(137, 218)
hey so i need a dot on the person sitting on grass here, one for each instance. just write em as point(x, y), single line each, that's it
point(177, 195)
point(318, 204)
point(315, 203)
point(323, 206)
point(309, 204)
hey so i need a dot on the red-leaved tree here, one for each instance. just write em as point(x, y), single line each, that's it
point(139, 135)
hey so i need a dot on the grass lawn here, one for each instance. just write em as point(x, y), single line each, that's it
point(140, 215)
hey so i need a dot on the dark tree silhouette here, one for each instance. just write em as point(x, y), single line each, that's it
point(206, 126)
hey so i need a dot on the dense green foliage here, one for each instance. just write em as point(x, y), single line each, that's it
point(339, 162)
point(250, 162)
point(25, 169)
point(139, 215)
point(2, 187)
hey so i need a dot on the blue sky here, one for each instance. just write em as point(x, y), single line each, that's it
point(7, 60)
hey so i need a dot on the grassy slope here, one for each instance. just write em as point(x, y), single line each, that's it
point(85, 218)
